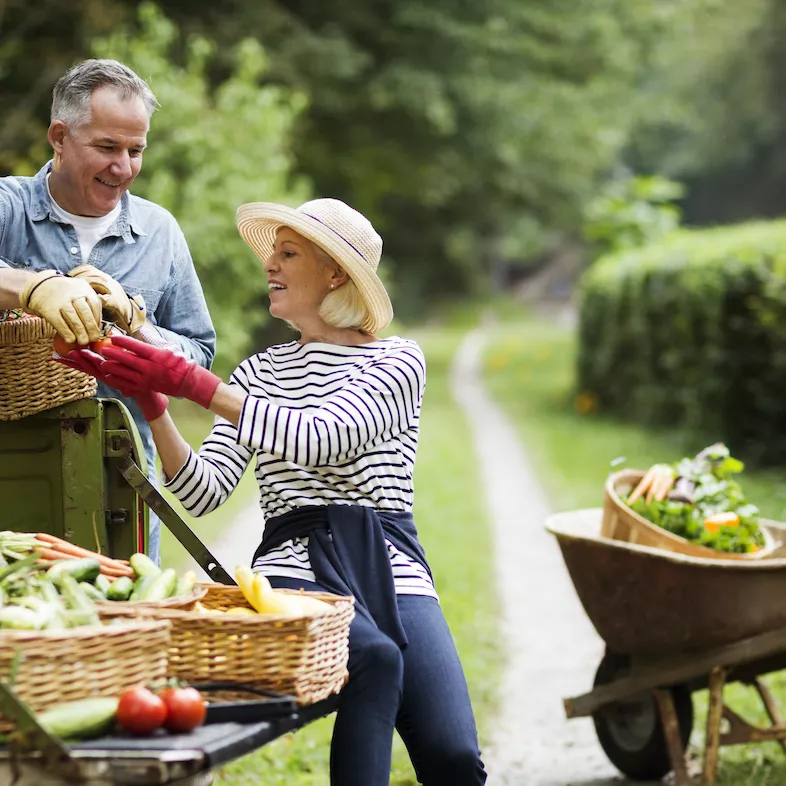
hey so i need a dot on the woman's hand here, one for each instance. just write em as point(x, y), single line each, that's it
point(152, 404)
point(145, 367)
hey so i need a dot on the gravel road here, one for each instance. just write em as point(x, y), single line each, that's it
point(552, 648)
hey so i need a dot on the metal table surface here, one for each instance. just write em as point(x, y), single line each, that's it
point(162, 759)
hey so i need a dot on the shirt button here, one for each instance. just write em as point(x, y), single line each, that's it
point(74, 249)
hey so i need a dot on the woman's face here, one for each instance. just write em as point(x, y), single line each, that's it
point(298, 277)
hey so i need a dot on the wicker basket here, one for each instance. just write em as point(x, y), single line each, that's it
point(622, 523)
point(180, 602)
point(29, 381)
point(96, 660)
point(305, 658)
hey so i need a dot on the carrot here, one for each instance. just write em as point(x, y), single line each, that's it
point(664, 488)
point(52, 554)
point(644, 484)
point(655, 487)
point(117, 572)
point(656, 484)
point(77, 551)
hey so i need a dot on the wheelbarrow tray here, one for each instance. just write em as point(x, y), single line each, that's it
point(647, 601)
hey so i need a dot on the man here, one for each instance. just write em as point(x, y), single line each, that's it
point(74, 242)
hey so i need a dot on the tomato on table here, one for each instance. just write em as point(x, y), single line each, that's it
point(185, 709)
point(140, 711)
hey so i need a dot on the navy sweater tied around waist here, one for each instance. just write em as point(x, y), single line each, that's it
point(349, 556)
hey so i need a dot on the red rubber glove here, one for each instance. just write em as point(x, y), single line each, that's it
point(153, 405)
point(150, 368)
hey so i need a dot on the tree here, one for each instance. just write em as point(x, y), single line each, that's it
point(464, 130)
point(210, 150)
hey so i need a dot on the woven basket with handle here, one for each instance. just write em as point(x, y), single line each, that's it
point(305, 657)
point(78, 663)
point(30, 381)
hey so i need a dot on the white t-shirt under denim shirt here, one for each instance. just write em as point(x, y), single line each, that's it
point(328, 424)
point(89, 229)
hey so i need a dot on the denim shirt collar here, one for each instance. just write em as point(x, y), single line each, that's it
point(126, 224)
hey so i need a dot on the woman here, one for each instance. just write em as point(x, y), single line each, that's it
point(332, 421)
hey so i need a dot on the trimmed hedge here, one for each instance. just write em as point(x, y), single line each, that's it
point(690, 332)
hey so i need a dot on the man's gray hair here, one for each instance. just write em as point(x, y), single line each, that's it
point(71, 95)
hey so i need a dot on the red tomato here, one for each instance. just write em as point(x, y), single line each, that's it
point(97, 346)
point(63, 347)
point(185, 709)
point(140, 711)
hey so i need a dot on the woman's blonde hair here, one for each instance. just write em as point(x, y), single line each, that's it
point(343, 307)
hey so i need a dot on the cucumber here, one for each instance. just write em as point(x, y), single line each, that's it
point(82, 569)
point(140, 586)
point(77, 599)
point(120, 589)
point(143, 565)
point(102, 583)
point(92, 591)
point(161, 587)
point(80, 719)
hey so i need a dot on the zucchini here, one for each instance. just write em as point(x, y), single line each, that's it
point(161, 587)
point(140, 586)
point(82, 569)
point(102, 583)
point(143, 565)
point(120, 589)
point(80, 719)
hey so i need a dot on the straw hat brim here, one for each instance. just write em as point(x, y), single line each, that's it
point(258, 223)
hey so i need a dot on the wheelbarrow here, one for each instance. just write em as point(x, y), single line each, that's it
point(673, 624)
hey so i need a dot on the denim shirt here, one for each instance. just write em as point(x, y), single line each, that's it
point(144, 250)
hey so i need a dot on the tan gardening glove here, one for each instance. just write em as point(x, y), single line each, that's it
point(69, 305)
point(127, 312)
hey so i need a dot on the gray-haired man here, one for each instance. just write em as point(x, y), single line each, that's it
point(73, 241)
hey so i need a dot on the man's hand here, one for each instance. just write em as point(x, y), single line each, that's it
point(126, 312)
point(70, 305)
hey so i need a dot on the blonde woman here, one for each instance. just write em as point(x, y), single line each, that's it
point(331, 422)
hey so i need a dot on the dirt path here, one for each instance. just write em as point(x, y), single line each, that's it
point(552, 648)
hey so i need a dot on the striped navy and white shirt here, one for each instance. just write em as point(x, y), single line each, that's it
point(328, 424)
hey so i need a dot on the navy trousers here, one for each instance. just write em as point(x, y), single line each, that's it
point(420, 691)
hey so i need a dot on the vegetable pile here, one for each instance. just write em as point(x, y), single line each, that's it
point(47, 583)
point(139, 711)
point(698, 499)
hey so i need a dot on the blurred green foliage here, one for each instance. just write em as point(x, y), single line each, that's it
point(631, 212)
point(476, 136)
point(212, 150)
point(688, 333)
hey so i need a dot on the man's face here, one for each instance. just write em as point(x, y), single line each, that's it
point(96, 163)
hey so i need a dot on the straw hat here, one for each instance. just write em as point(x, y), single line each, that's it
point(335, 227)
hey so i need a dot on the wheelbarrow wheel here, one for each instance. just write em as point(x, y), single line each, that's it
point(630, 731)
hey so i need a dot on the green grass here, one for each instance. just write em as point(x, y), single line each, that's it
point(529, 370)
point(449, 512)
